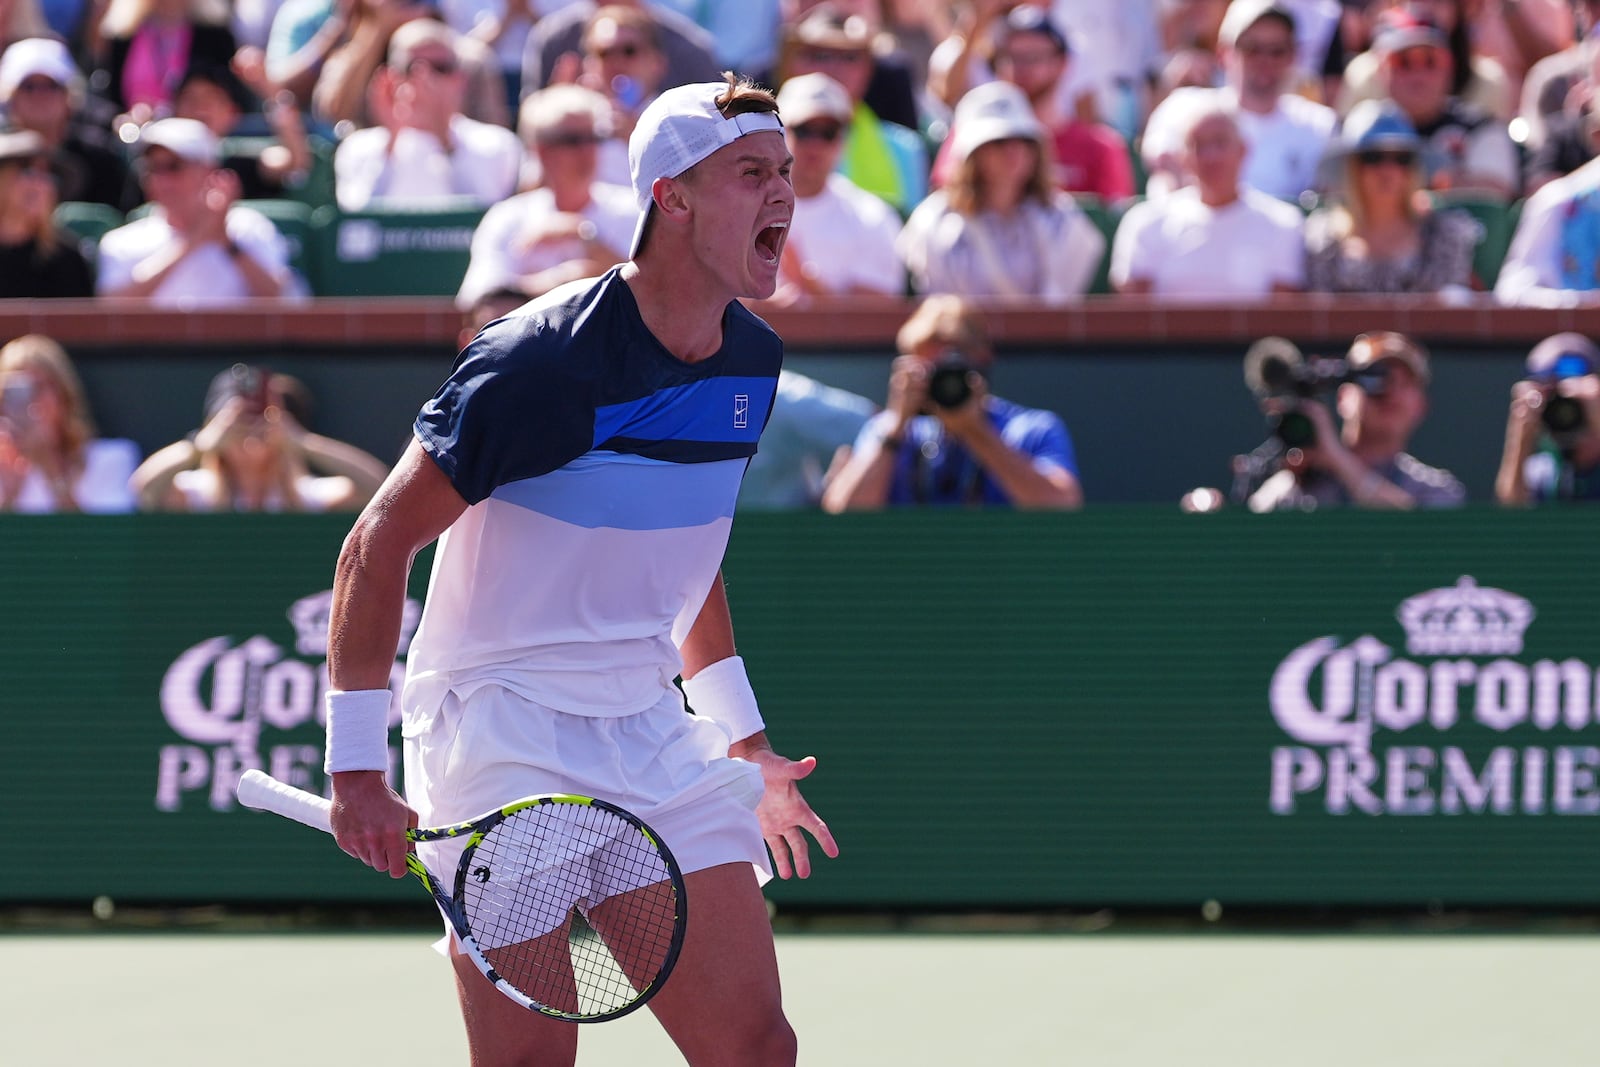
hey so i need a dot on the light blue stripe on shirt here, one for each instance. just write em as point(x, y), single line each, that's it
point(627, 492)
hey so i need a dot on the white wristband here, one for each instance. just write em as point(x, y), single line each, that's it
point(358, 731)
point(722, 693)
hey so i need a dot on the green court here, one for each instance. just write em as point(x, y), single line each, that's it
point(1209, 998)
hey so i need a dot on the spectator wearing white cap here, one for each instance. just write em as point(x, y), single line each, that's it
point(424, 148)
point(571, 226)
point(1217, 239)
point(197, 246)
point(1032, 53)
point(1287, 134)
point(1000, 227)
point(34, 259)
point(843, 237)
point(41, 90)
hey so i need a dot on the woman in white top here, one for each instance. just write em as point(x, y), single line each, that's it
point(252, 454)
point(999, 227)
point(50, 459)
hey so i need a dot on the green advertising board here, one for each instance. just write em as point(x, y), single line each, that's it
point(1127, 706)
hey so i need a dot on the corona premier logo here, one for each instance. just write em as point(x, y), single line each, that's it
point(240, 704)
point(1384, 734)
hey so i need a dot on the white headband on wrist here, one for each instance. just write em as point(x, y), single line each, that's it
point(358, 731)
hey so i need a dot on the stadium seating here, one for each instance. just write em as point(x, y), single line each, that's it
point(87, 223)
point(1498, 221)
point(393, 252)
point(1105, 217)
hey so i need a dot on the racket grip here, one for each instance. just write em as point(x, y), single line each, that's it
point(264, 793)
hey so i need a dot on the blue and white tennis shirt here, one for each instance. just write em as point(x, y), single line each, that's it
point(600, 473)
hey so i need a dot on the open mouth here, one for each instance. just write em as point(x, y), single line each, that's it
point(769, 242)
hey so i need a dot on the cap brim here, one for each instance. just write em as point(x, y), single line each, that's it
point(638, 232)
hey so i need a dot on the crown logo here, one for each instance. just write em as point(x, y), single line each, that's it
point(309, 616)
point(1465, 620)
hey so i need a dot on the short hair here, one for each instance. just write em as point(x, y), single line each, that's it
point(545, 109)
point(637, 19)
point(403, 43)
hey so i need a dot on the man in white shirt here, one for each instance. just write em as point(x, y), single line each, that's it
point(197, 246)
point(572, 226)
point(423, 147)
point(1217, 239)
point(1555, 255)
point(1286, 133)
point(842, 240)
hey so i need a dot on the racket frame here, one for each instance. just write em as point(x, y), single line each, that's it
point(260, 791)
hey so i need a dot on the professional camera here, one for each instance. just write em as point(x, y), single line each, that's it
point(1276, 370)
point(947, 383)
point(1564, 418)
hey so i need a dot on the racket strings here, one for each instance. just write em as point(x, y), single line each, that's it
point(573, 905)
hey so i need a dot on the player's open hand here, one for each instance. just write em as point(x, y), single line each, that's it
point(785, 816)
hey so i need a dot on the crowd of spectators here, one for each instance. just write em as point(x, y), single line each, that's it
point(982, 150)
point(1038, 150)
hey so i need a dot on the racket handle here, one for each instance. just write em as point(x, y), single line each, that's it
point(264, 793)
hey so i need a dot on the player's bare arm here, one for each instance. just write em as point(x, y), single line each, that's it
point(415, 505)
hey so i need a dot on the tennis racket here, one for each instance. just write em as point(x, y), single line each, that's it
point(572, 907)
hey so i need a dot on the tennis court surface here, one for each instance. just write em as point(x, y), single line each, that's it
point(204, 998)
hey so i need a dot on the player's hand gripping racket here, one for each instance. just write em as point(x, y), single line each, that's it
point(570, 906)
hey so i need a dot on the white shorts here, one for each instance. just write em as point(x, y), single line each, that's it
point(491, 747)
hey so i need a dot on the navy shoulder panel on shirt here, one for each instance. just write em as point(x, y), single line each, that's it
point(577, 370)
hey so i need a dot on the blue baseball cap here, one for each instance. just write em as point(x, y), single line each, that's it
point(1563, 355)
point(1378, 125)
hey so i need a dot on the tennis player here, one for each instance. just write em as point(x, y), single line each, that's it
point(579, 469)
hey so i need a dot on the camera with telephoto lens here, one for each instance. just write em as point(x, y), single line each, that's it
point(1276, 370)
point(947, 382)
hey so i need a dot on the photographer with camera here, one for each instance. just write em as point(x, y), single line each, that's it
point(943, 438)
point(1552, 449)
point(1381, 393)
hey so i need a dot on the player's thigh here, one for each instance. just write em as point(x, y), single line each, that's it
point(723, 1003)
point(501, 1032)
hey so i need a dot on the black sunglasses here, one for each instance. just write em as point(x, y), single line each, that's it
point(568, 140)
point(1372, 157)
point(818, 131)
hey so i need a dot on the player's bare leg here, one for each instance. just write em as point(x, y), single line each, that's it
point(722, 1006)
point(501, 1032)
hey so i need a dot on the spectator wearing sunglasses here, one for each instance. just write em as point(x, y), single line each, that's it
point(424, 148)
point(1552, 443)
point(1379, 235)
point(882, 156)
point(572, 226)
point(1287, 133)
point(36, 260)
point(41, 89)
point(1464, 147)
point(842, 238)
point(197, 246)
point(1032, 53)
